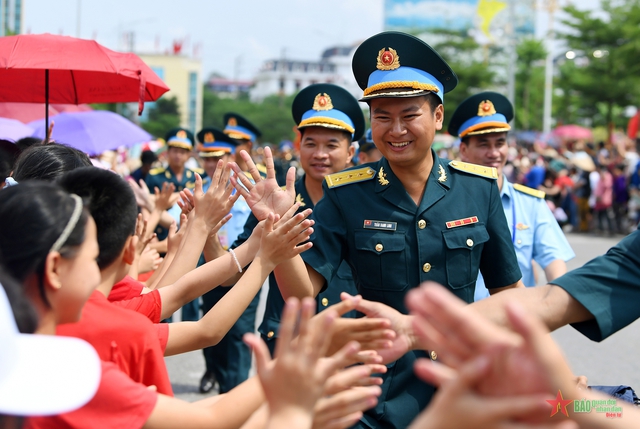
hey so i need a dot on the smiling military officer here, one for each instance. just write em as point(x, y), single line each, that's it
point(408, 218)
point(482, 122)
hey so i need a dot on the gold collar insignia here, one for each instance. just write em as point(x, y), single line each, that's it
point(382, 177)
point(443, 176)
point(300, 200)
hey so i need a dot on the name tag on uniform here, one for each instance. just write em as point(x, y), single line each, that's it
point(461, 222)
point(380, 224)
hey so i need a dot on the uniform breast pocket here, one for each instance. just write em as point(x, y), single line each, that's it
point(524, 240)
point(463, 250)
point(381, 260)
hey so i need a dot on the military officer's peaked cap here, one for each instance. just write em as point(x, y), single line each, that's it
point(180, 137)
point(483, 113)
point(366, 143)
point(215, 143)
point(239, 128)
point(395, 64)
point(329, 106)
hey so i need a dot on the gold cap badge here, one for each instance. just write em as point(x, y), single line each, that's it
point(233, 122)
point(182, 134)
point(208, 138)
point(486, 108)
point(388, 59)
point(322, 102)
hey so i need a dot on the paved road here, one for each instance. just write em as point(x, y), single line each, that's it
point(611, 362)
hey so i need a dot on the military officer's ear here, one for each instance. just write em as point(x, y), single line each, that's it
point(351, 153)
point(439, 116)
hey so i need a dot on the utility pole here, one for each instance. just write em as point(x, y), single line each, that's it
point(551, 6)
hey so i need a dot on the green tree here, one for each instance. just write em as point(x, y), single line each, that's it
point(529, 80)
point(605, 76)
point(272, 116)
point(163, 116)
point(471, 63)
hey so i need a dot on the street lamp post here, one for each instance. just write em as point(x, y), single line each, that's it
point(550, 6)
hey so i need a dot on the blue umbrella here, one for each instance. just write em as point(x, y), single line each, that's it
point(93, 132)
point(12, 129)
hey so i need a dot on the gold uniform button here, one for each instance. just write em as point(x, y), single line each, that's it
point(433, 355)
point(426, 267)
point(325, 302)
point(469, 242)
point(270, 334)
point(422, 224)
point(379, 247)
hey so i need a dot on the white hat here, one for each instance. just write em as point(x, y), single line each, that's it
point(43, 374)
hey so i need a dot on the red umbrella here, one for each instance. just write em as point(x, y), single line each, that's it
point(25, 112)
point(44, 68)
point(573, 132)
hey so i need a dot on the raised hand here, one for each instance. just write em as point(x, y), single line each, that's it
point(458, 405)
point(144, 198)
point(295, 381)
point(216, 203)
point(264, 196)
point(528, 363)
point(165, 197)
point(287, 238)
point(394, 346)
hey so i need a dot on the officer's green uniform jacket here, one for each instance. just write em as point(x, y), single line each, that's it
point(608, 286)
point(160, 175)
point(343, 281)
point(393, 246)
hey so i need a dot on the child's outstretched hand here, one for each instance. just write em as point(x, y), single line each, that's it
point(216, 203)
point(295, 381)
point(285, 238)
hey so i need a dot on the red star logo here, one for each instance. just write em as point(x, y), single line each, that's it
point(486, 107)
point(559, 404)
point(387, 58)
point(322, 101)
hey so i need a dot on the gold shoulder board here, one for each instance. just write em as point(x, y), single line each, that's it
point(478, 170)
point(262, 169)
point(198, 170)
point(529, 191)
point(350, 176)
point(157, 170)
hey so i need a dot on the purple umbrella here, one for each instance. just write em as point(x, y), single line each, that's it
point(93, 132)
point(12, 129)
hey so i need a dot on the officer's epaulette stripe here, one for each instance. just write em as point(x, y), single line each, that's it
point(350, 176)
point(478, 170)
point(157, 170)
point(261, 168)
point(529, 191)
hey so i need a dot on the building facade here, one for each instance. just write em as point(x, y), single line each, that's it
point(183, 76)
point(11, 17)
point(286, 76)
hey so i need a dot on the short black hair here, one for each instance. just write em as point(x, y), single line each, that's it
point(26, 142)
point(48, 162)
point(33, 215)
point(148, 157)
point(433, 100)
point(112, 204)
point(8, 155)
